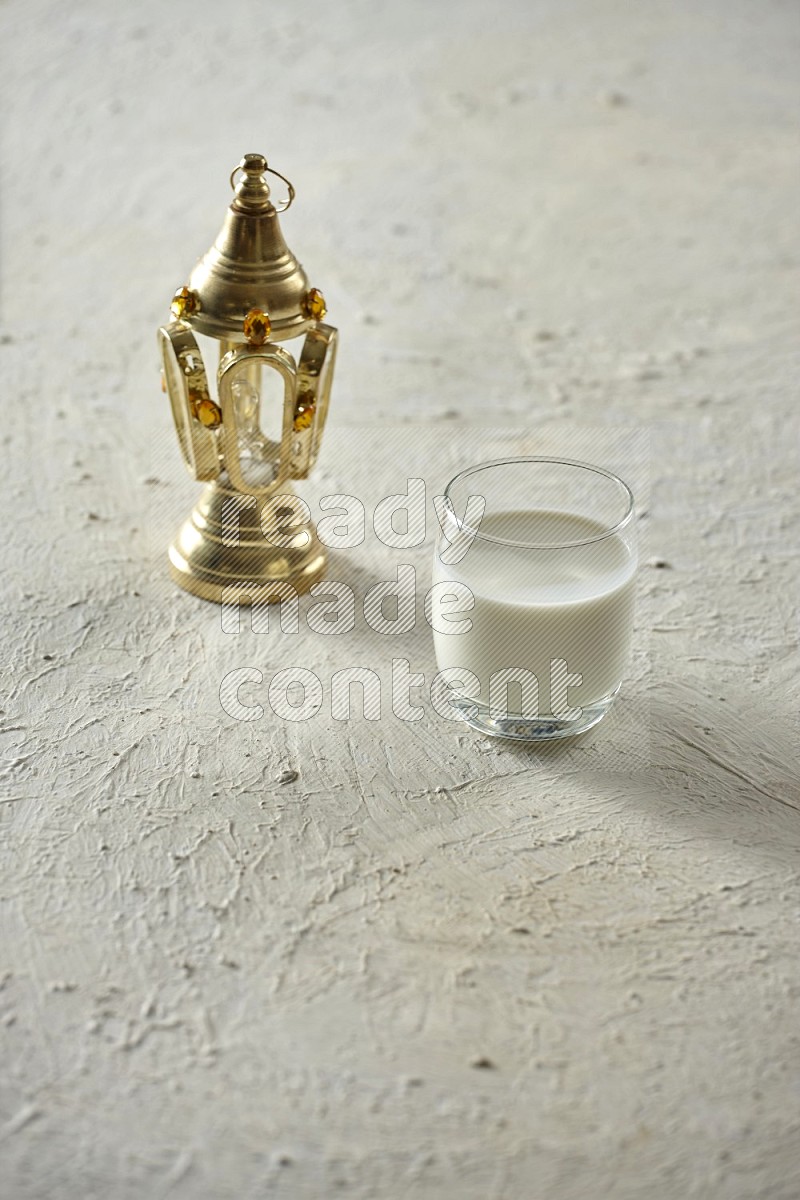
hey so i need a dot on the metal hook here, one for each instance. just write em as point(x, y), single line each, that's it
point(289, 186)
point(267, 171)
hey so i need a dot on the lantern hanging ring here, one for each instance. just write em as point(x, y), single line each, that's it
point(266, 170)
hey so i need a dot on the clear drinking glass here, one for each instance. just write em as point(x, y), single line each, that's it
point(533, 597)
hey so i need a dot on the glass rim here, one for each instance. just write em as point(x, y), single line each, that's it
point(541, 458)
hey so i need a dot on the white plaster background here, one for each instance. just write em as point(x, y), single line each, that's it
point(538, 224)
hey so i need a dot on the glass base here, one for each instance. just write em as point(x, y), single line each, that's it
point(530, 729)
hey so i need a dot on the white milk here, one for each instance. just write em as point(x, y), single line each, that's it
point(535, 606)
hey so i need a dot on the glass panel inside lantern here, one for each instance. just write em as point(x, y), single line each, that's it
point(258, 404)
point(195, 414)
point(256, 391)
point(174, 386)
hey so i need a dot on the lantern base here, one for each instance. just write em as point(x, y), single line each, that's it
point(249, 570)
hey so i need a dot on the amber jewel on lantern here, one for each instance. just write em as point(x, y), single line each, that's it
point(304, 412)
point(208, 413)
point(315, 304)
point(257, 327)
point(184, 303)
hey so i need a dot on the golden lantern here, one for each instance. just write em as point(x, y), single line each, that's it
point(248, 296)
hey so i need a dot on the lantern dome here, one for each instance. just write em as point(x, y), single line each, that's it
point(250, 267)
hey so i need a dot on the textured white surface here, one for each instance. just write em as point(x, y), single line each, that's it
point(539, 226)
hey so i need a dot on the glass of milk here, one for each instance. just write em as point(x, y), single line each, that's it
point(533, 595)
